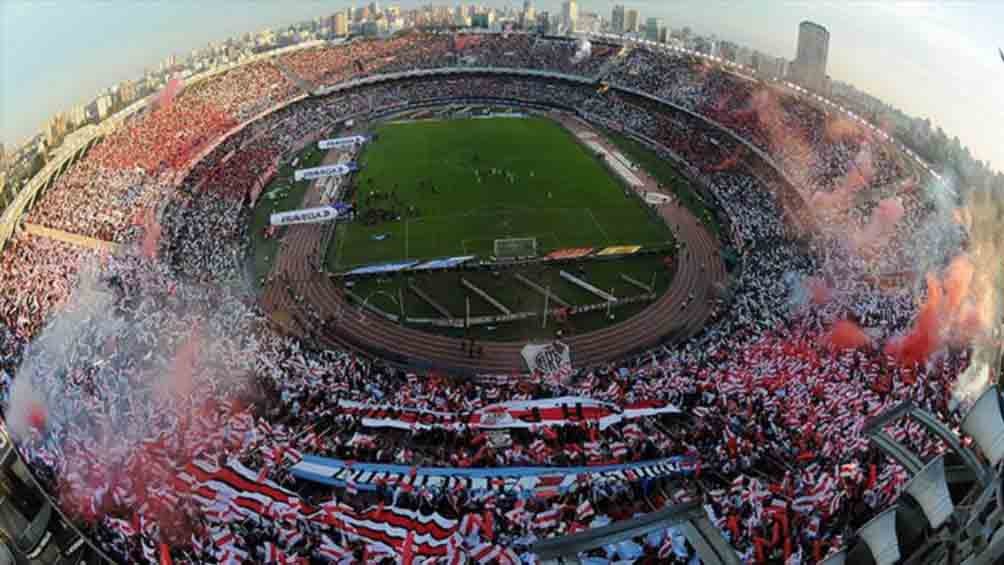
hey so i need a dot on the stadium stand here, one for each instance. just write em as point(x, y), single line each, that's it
point(158, 403)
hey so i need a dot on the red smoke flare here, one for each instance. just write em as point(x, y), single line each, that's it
point(958, 278)
point(37, 416)
point(858, 177)
point(845, 334)
point(819, 291)
point(840, 128)
point(180, 383)
point(925, 336)
point(726, 164)
point(882, 223)
point(167, 96)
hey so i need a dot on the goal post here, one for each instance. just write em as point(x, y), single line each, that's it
point(512, 247)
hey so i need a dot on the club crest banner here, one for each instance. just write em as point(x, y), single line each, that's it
point(549, 358)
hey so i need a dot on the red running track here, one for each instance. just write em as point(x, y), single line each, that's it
point(699, 270)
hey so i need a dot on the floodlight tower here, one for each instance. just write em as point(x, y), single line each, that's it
point(32, 529)
point(952, 509)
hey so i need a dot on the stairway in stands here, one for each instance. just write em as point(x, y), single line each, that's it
point(303, 84)
point(71, 238)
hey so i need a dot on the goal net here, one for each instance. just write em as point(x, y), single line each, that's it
point(515, 247)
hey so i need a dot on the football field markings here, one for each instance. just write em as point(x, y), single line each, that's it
point(597, 223)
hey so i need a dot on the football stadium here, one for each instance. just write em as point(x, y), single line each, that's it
point(448, 297)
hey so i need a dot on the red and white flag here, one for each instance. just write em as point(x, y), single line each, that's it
point(546, 520)
point(333, 552)
point(486, 553)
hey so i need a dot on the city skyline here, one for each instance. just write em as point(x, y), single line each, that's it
point(908, 47)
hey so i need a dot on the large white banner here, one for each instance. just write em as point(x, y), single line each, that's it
point(305, 216)
point(550, 358)
point(339, 142)
point(325, 171)
point(505, 415)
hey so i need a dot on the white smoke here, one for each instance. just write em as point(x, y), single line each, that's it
point(58, 343)
point(583, 50)
point(940, 236)
point(983, 220)
point(132, 357)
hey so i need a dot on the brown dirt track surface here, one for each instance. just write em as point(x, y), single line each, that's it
point(295, 274)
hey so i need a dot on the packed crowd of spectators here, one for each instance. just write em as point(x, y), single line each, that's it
point(245, 91)
point(98, 202)
point(821, 154)
point(332, 64)
point(523, 51)
point(37, 277)
point(168, 348)
point(151, 373)
point(163, 138)
point(819, 151)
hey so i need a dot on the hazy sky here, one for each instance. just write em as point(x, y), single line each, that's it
point(937, 60)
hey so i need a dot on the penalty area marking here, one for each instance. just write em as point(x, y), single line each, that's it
point(538, 236)
point(597, 224)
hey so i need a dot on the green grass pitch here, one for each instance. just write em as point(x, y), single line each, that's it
point(560, 193)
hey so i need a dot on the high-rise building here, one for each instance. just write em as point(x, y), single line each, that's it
point(56, 129)
point(617, 19)
point(103, 105)
point(654, 29)
point(341, 24)
point(544, 22)
point(528, 18)
point(78, 115)
point(127, 91)
point(744, 56)
point(570, 14)
point(809, 66)
point(778, 68)
point(631, 22)
point(769, 66)
point(726, 50)
point(588, 22)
